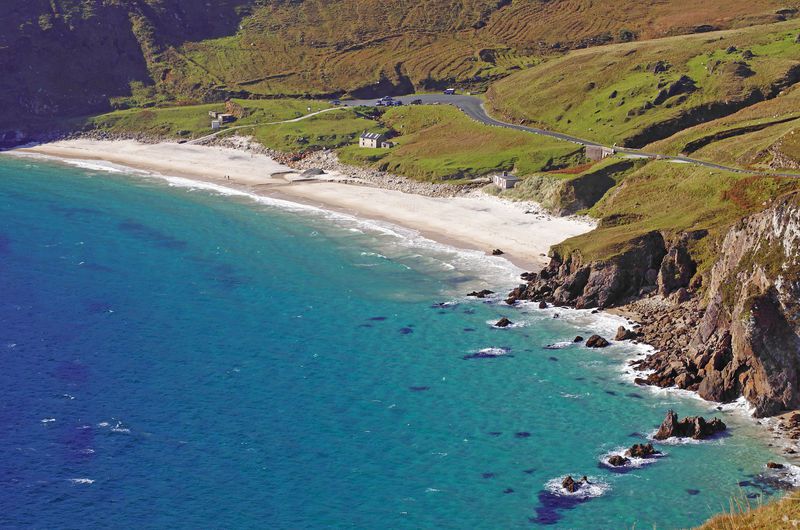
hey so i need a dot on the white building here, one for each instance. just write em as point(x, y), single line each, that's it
point(371, 140)
point(504, 181)
point(215, 125)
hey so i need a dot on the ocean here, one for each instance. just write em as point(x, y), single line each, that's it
point(175, 355)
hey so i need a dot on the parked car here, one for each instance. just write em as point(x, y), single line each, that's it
point(336, 102)
point(450, 92)
point(416, 102)
point(396, 103)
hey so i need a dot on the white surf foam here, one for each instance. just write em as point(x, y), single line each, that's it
point(81, 480)
point(595, 488)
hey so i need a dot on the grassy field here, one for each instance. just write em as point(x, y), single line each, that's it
point(192, 121)
point(330, 130)
point(640, 92)
point(699, 199)
point(439, 142)
point(742, 516)
point(750, 137)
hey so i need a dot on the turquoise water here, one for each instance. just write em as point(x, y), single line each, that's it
point(174, 358)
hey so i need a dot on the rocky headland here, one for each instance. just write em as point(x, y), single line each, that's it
point(728, 332)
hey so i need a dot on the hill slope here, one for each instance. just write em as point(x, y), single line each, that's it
point(70, 57)
point(636, 93)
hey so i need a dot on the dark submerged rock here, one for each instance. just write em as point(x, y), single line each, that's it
point(481, 294)
point(578, 339)
point(642, 451)
point(618, 461)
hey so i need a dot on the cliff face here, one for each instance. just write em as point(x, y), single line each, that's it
point(748, 341)
point(741, 339)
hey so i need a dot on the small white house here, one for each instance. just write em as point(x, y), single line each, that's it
point(372, 140)
point(505, 181)
point(215, 125)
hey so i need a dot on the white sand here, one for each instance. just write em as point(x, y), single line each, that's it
point(478, 221)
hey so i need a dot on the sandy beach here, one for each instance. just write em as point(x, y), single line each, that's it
point(477, 221)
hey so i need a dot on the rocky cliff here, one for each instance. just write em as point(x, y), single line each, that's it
point(737, 336)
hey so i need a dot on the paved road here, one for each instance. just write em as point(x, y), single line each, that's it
point(473, 107)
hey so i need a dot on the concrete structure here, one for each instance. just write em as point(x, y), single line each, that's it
point(226, 118)
point(371, 140)
point(595, 153)
point(504, 181)
point(215, 125)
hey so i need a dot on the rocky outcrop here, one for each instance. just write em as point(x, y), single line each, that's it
point(738, 336)
point(596, 341)
point(571, 485)
point(746, 340)
point(618, 461)
point(624, 334)
point(642, 451)
point(695, 427)
point(503, 323)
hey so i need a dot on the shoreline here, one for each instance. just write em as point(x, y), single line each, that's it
point(475, 221)
point(259, 175)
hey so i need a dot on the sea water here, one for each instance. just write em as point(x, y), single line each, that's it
point(176, 358)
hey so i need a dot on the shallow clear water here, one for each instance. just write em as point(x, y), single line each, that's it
point(173, 358)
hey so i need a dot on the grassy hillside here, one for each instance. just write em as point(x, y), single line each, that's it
point(439, 142)
point(636, 93)
point(764, 136)
point(72, 57)
point(699, 200)
point(782, 514)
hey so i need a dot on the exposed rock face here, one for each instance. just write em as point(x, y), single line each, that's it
point(481, 294)
point(572, 485)
point(642, 451)
point(742, 338)
point(624, 334)
point(503, 323)
point(692, 427)
point(596, 341)
point(618, 461)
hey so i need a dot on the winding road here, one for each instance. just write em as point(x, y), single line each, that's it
point(473, 107)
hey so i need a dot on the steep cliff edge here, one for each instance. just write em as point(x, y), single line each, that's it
point(747, 341)
point(737, 335)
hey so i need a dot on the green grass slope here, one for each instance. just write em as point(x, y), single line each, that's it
point(764, 136)
point(699, 200)
point(439, 142)
point(636, 93)
point(781, 514)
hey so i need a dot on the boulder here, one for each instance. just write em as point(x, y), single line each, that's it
point(481, 294)
point(497, 252)
point(624, 334)
point(542, 305)
point(596, 341)
point(774, 465)
point(578, 339)
point(692, 427)
point(618, 461)
point(642, 451)
point(503, 323)
point(571, 485)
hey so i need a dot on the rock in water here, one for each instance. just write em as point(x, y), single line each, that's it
point(481, 294)
point(642, 451)
point(542, 305)
point(578, 339)
point(497, 252)
point(569, 484)
point(503, 323)
point(618, 461)
point(774, 465)
point(624, 334)
point(596, 341)
point(692, 427)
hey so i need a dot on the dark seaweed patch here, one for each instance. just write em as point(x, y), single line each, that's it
point(495, 433)
point(693, 492)
point(151, 235)
point(611, 393)
point(550, 506)
point(488, 475)
point(522, 434)
point(554, 359)
point(508, 490)
point(634, 395)
point(406, 331)
point(378, 319)
point(469, 330)
point(419, 388)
